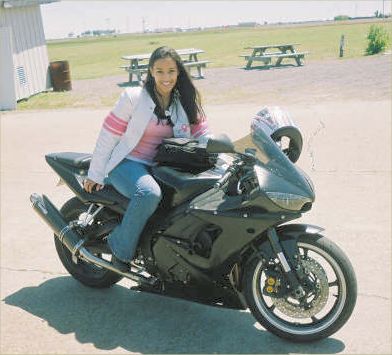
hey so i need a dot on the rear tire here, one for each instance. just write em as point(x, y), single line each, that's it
point(329, 305)
point(88, 274)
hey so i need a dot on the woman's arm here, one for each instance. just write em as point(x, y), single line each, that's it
point(200, 131)
point(114, 126)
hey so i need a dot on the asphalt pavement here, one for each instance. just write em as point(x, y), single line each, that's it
point(347, 153)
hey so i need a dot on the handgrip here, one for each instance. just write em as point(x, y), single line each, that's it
point(226, 176)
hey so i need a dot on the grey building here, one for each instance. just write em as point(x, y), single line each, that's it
point(24, 64)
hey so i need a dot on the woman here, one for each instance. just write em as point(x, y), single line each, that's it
point(168, 105)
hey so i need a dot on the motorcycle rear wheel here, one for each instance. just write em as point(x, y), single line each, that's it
point(329, 308)
point(88, 274)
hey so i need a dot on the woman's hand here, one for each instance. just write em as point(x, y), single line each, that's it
point(89, 185)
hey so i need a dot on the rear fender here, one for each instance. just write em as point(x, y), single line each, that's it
point(73, 175)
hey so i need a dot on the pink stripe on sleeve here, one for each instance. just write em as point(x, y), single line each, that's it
point(111, 130)
point(114, 124)
point(199, 129)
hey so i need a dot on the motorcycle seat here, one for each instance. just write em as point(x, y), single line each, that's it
point(185, 185)
point(77, 160)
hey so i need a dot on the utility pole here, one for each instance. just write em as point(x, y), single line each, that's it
point(143, 25)
point(341, 47)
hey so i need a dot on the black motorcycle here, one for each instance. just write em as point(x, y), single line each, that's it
point(219, 236)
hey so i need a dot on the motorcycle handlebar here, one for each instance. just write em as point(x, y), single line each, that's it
point(231, 170)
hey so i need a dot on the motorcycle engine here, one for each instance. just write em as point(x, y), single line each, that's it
point(204, 240)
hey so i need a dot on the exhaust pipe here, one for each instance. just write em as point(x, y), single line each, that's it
point(72, 241)
point(51, 215)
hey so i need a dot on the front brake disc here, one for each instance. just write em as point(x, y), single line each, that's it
point(312, 303)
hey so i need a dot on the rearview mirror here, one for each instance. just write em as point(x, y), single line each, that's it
point(220, 144)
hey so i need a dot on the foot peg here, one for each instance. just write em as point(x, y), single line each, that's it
point(120, 265)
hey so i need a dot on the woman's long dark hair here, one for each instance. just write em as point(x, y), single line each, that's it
point(188, 94)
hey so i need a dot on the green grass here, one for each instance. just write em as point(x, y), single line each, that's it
point(91, 58)
point(67, 99)
point(50, 100)
point(97, 57)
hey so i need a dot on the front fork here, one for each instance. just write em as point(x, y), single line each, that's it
point(291, 276)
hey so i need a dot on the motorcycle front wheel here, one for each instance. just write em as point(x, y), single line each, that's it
point(324, 309)
point(87, 273)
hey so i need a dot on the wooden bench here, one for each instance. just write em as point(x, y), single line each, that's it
point(142, 69)
point(136, 68)
point(267, 58)
point(199, 65)
point(138, 72)
point(285, 51)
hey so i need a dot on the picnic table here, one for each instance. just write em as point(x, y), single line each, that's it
point(282, 51)
point(138, 63)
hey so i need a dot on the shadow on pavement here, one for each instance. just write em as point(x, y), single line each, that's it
point(268, 67)
point(127, 84)
point(147, 323)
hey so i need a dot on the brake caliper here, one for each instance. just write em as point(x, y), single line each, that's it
point(274, 285)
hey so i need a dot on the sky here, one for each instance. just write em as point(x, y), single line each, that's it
point(61, 18)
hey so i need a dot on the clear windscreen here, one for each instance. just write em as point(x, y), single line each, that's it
point(269, 155)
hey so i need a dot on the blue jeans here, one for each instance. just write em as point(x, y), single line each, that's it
point(133, 180)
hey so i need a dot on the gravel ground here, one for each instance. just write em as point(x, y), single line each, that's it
point(366, 78)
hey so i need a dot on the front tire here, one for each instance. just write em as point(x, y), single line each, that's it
point(329, 304)
point(87, 273)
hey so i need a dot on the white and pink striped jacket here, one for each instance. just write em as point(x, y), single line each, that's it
point(123, 128)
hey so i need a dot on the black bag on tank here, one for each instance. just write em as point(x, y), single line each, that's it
point(185, 154)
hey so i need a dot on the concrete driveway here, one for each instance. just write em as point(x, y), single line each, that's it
point(347, 153)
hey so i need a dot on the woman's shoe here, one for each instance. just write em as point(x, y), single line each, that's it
point(120, 265)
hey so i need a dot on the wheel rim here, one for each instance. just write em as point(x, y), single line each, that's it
point(317, 320)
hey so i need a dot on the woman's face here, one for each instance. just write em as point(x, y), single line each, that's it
point(165, 73)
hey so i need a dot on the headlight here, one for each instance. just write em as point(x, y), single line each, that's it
point(288, 201)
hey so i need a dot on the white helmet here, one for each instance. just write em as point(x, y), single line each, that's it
point(277, 123)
